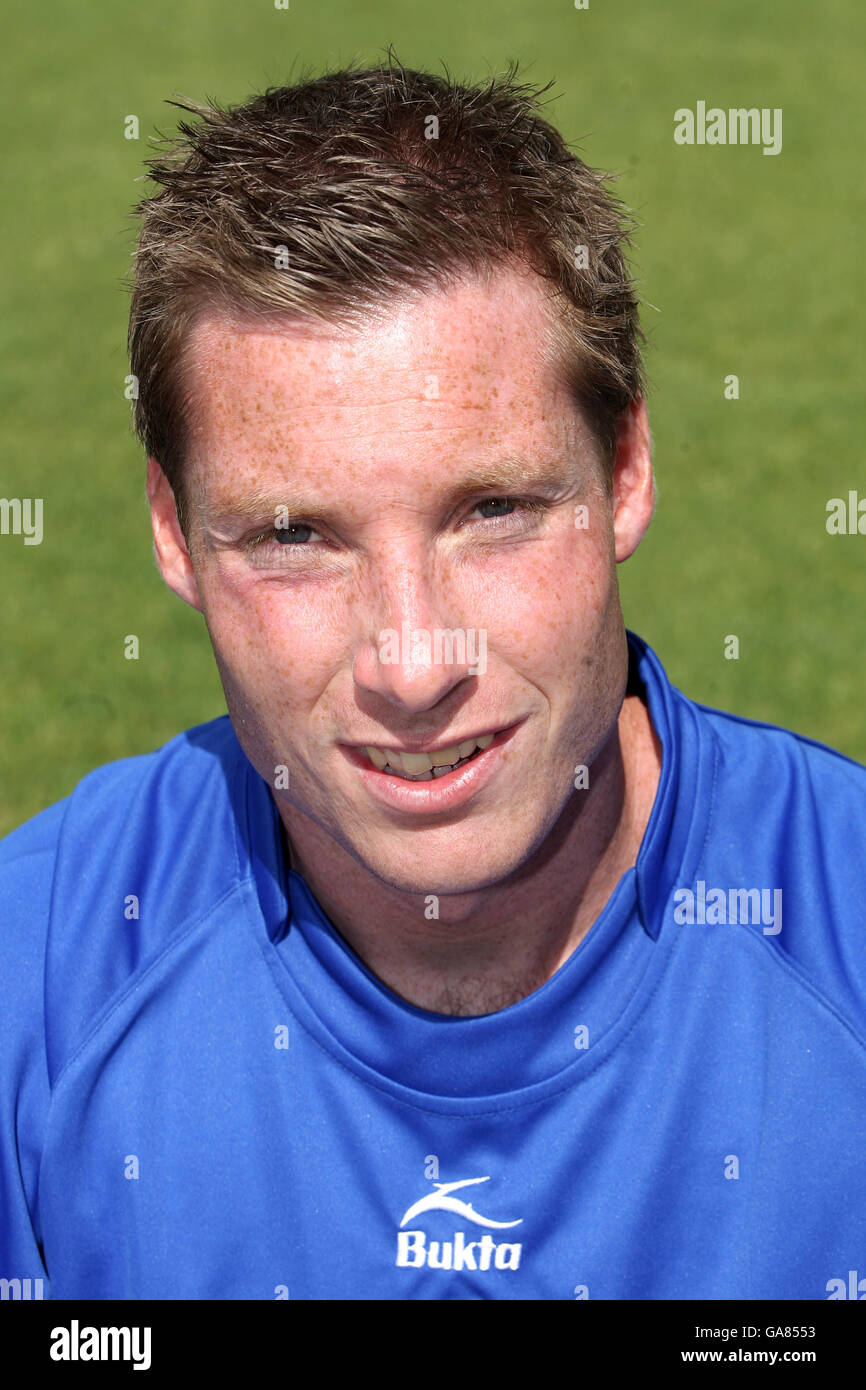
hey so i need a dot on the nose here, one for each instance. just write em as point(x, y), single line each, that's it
point(411, 654)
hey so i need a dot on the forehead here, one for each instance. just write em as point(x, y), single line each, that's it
point(428, 376)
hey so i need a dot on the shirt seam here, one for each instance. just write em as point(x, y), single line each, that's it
point(138, 978)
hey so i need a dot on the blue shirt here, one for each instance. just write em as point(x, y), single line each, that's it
point(206, 1094)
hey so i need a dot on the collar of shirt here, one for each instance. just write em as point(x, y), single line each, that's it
point(558, 1032)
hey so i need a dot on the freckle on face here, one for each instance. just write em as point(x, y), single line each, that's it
point(344, 418)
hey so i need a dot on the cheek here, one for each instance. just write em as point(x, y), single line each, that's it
point(546, 611)
point(276, 647)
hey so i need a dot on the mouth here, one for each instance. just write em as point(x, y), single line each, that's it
point(433, 782)
point(427, 767)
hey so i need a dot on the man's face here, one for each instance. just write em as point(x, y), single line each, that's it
point(365, 447)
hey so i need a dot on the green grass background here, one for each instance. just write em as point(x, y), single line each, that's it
point(746, 264)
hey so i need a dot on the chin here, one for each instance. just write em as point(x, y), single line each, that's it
point(442, 872)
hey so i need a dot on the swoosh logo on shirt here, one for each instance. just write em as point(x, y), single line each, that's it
point(441, 1200)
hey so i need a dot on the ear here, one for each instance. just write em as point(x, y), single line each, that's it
point(169, 545)
point(634, 495)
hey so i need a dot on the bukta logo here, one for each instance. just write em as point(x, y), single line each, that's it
point(441, 1200)
point(414, 1251)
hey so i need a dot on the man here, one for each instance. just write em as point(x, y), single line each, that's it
point(466, 957)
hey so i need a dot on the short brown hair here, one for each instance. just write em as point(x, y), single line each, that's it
point(322, 199)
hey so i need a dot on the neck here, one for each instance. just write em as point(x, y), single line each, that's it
point(491, 948)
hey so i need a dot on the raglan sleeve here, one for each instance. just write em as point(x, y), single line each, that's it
point(27, 859)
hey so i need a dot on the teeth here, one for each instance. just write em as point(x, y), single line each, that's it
point(446, 756)
point(423, 767)
point(414, 762)
point(413, 776)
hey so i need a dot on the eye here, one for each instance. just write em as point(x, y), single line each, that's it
point(509, 513)
point(288, 535)
point(274, 545)
point(497, 502)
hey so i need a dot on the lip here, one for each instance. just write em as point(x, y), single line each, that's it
point(440, 794)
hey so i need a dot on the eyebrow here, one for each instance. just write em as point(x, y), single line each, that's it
point(503, 478)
